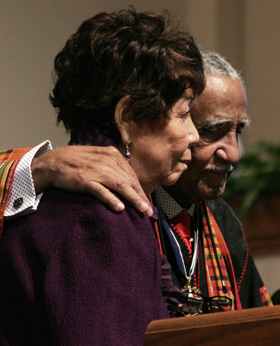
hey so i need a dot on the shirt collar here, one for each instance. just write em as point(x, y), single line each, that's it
point(168, 204)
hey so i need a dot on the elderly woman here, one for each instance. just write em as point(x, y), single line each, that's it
point(76, 273)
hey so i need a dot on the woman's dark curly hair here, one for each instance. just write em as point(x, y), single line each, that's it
point(114, 54)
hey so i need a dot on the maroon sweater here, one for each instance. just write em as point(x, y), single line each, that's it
point(76, 273)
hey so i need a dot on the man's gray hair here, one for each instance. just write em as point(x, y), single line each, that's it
point(215, 64)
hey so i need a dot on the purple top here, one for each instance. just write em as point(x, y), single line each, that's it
point(77, 273)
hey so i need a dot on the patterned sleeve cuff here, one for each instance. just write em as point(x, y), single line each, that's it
point(23, 199)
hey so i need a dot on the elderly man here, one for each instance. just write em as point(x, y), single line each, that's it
point(224, 262)
point(204, 242)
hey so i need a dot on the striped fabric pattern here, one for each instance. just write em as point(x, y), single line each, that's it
point(214, 281)
point(7, 169)
point(8, 163)
point(266, 300)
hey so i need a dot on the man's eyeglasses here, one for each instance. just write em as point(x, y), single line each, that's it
point(195, 303)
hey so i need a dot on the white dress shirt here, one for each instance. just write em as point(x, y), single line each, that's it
point(23, 199)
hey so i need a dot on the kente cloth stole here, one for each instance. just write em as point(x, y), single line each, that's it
point(9, 160)
point(266, 300)
point(214, 281)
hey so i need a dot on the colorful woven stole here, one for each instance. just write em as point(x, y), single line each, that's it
point(9, 160)
point(266, 300)
point(214, 281)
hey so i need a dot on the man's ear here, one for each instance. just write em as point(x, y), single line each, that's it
point(123, 118)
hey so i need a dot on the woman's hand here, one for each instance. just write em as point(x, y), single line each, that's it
point(90, 169)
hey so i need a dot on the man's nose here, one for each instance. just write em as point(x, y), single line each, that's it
point(192, 132)
point(228, 150)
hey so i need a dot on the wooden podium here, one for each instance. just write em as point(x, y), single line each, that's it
point(258, 326)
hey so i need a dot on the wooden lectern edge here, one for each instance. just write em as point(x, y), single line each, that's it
point(208, 320)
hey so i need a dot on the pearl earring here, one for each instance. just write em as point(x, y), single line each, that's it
point(127, 153)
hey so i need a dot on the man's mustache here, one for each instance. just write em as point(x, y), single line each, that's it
point(219, 168)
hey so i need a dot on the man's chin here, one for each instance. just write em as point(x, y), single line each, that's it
point(207, 192)
point(186, 193)
point(212, 193)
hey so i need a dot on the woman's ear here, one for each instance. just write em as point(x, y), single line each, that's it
point(123, 119)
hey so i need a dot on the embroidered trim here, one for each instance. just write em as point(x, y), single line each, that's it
point(244, 270)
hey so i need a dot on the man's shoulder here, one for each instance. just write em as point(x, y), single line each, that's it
point(228, 222)
point(223, 212)
point(233, 233)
